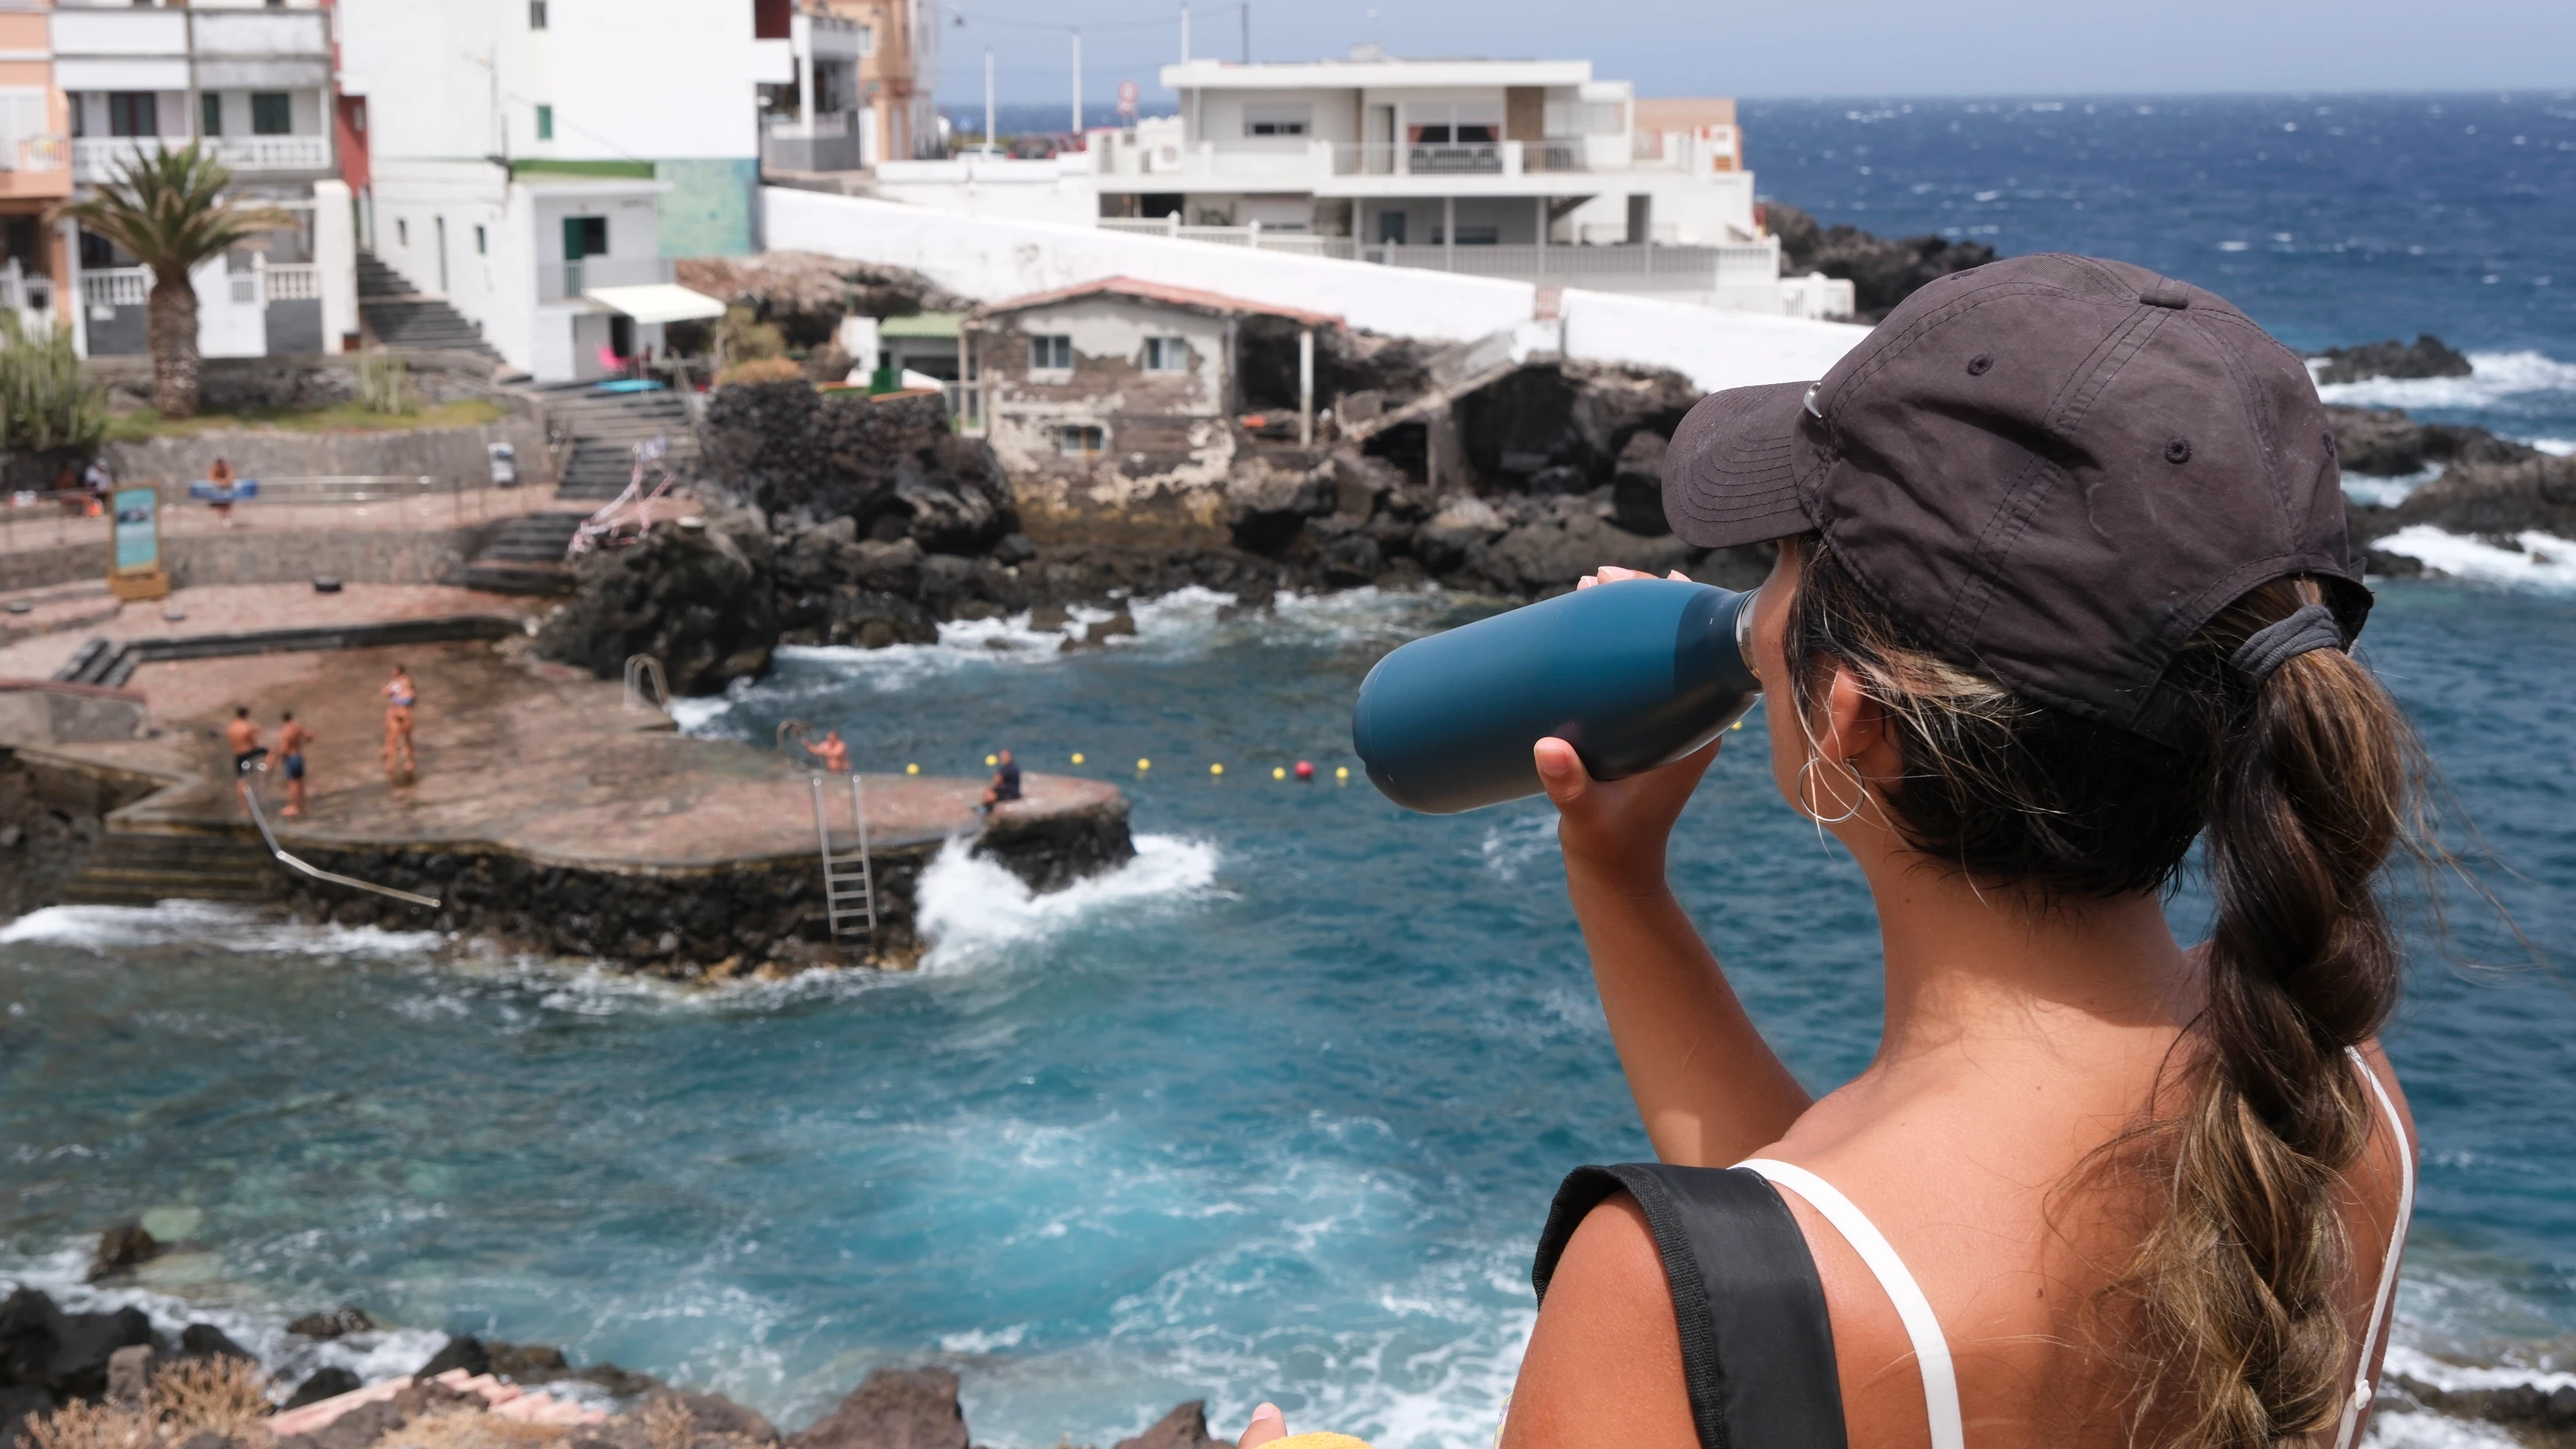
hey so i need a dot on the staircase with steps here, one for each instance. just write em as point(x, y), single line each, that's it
point(137, 867)
point(606, 426)
point(397, 314)
point(525, 557)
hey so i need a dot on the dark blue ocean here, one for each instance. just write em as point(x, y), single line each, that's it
point(1275, 1110)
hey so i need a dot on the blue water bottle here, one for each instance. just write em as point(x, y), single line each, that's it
point(1633, 674)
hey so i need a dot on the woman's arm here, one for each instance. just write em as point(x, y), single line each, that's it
point(1708, 1087)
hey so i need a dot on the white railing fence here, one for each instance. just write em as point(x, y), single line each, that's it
point(100, 158)
point(561, 281)
point(116, 287)
point(1652, 266)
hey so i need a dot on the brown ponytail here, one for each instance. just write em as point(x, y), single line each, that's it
point(2298, 784)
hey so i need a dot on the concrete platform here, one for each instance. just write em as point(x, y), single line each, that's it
point(544, 813)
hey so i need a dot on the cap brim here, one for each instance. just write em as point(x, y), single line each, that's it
point(1730, 476)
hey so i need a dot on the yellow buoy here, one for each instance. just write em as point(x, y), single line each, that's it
point(1144, 764)
point(912, 769)
point(1077, 757)
point(1277, 773)
point(1739, 724)
point(1216, 769)
point(1342, 772)
point(992, 759)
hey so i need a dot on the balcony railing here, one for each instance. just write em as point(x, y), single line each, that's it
point(35, 153)
point(100, 158)
point(1255, 235)
point(116, 287)
point(1650, 267)
point(563, 281)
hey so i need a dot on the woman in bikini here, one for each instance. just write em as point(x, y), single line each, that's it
point(2062, 592)
point(400, 763)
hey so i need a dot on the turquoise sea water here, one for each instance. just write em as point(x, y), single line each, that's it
point(1274, 1111)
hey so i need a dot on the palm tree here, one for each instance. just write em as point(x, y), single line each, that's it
point(168, 209)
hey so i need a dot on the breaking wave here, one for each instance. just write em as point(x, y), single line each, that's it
point(2496, 378)
point(103, 929)
point(972, 910)
point(2539, 560)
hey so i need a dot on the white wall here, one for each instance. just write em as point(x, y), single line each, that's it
point(1059, 190)
point(994, 259)
point(335, 255)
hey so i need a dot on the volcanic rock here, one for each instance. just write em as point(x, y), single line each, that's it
point(2426, 356)
point(121, 1249)
point(461, 1351)
point(1267, 506)
point(356, 1429)
point(323, 1383)
point(1183, 1428)
point(1577, 415)
point(204, 1340)
point(1637, 487)
point(342, 1320)
point(698, 599)
point(67, 1354)
point(18, 1404)
point(894, 1409)
point(129, 1376)
point(1882, 272)
point(1548, 554)
point(2496, 501)
point(2385, 442)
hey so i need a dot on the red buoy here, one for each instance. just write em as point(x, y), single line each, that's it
point(1305, 769)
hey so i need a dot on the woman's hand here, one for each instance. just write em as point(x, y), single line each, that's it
point(1613, 831)
point(1267, 1424)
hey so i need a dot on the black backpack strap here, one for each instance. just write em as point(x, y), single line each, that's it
point(1757, 1348)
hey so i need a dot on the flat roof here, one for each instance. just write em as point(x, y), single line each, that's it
point(1216, 75)
point(923, 324)
point(657, 302)
point(1167, 295)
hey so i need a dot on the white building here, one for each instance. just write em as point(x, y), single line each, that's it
point(250, 80)
point(1531, 170)
point(527, 153)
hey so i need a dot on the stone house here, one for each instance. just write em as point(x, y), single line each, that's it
point(1118, 407)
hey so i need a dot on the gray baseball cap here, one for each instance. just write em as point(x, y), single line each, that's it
point(2050, 469)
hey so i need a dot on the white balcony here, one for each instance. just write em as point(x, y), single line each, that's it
point(563, 281)
point(116, 287)
point(100, 158)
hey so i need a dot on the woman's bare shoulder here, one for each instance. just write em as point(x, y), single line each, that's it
point(1604, 1366)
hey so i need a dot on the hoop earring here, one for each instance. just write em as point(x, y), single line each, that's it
point(1806, 796)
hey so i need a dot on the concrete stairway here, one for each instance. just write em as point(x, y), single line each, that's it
point(606, 426)
point(525, 557)
point(398, 315)
point(137, 867)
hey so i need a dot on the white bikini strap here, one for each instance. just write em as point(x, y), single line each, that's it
point(2361, 1391)
point(1931, 1349)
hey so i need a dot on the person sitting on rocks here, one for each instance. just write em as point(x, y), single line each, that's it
point(834, 754)
point(1006, 783)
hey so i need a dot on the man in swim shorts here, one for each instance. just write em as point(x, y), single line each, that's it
point(834, 754)
point(400, 762)
point(292, 737)
point(243, 735)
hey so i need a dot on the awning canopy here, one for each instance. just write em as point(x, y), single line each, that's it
point(935, 325)
point(657, 302)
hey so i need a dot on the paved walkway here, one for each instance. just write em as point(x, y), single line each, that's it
point(87, 612)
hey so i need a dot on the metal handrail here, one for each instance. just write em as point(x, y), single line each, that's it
point(641, 668)
point(259, 817)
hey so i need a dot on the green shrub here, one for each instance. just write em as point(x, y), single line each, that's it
point(384, 384)
point(748, 339)
point(46, 401)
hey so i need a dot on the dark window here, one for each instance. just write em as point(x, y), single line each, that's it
point(1167, 354)
point(536, 14)
point(133, 113)
point(1081, 440)
point(1051, 353)
point(1390, 227)
point(271, 114)
point(1476, 136)
point(585, 236)
point(210, 109)
point(545, 123)
point(1431, 135)
point(480, 248)
point(769, 19)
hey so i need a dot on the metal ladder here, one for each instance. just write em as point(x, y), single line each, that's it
point(849, 881)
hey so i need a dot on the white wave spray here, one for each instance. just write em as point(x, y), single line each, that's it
point(973, 910)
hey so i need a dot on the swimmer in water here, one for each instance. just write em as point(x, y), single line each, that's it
point(292, 736)
point(400, 761)
point(832, 752)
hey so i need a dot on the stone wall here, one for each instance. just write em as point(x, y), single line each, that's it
point(234, 384)
point(375, 556)
point(461, 454)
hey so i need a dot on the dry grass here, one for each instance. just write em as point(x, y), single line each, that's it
point(471, 1429)
point(225, 1394)
point(90, 1426)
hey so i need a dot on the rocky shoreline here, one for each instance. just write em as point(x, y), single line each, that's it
point(2489, 488)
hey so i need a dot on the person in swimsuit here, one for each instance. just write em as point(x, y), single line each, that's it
point(221, 476)
point(1005, 784)
point(2062, 592)
point(833, 752)
point(292, 737)
point(243, 735)
point(400, 762)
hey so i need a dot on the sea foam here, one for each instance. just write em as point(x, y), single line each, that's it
point(2495, 376)
point(972, 910)
point(2545, 560)
point(206, 924)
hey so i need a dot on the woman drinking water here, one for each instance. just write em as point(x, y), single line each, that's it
point(2062, 591)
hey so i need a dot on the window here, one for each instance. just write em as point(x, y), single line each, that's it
point(545, 123)
point(1277, 120)
point(1051, 353)
point(210, 114)
point(1471, 236)
point(536, 14)
point(585, 236)
point(271, 114)
point(1167, 354)
point(133, 113)
point(480, 248)
point(402, 233)
point(1081, 440)
point(770, 19)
